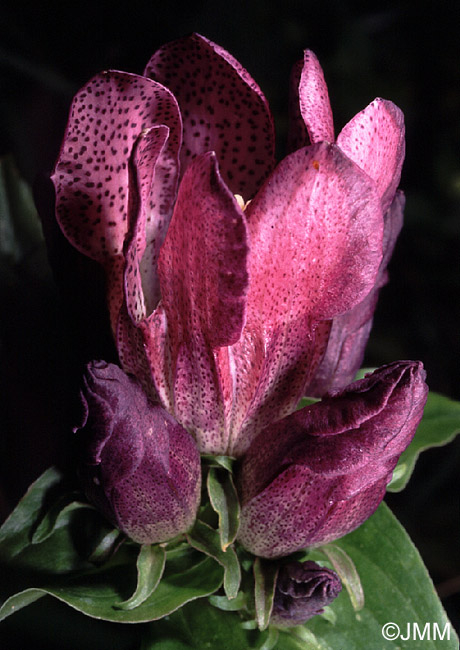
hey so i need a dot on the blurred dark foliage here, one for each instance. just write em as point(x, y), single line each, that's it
point(401, 50)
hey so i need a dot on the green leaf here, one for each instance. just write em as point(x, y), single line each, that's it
point(150, 566)
point(107, 547)
point(219, 462)
point(347, 573)
point(207, 540)
point(55, 515)
point(440, 424)
point(265, 575)
point(222, 602)
point(306, 401)
point(301, 638)
point(397, 589)
point(97, 593)
point(224, 500)
point(15, 533)
point(198, 626)
point(59, 565)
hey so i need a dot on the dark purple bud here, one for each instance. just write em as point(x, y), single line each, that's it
point(140, 467)
point(302, 590)
point(319, 473)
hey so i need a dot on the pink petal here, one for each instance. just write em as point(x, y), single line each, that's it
point(153, 184)
point(223, 110)
point(310, 106)
point(374, 140)
point(91, 174)
point(203, 278)
point(350, 331)
point(316, 234)
point(153, 180)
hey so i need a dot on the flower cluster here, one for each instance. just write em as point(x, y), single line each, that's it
point(235, 287)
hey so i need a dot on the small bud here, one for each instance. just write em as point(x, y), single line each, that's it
point(302, 590)
point(140, 467)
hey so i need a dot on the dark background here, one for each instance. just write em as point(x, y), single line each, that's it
point(404, 51)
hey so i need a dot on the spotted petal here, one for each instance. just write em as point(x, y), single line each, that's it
point(203, 278)
point(316, 235)
point(310, 108)
point(223, 110)
point(350, 331)
point(153, 173)
point(374, 140)
point(319, 473)
point(91, 174)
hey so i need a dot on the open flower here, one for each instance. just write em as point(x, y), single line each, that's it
point(321, 472)
point(140, 467)
point(224, 314)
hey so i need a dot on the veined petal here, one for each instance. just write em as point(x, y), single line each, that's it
point(223, 110)
point(91, 174)
point(310, 106)
point(203, 278)
point(317, 224)
point(374, 140)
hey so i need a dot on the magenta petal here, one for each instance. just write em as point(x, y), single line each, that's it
point(350, 331)
point(203, 278)
point(319, 473)
point(310, 104)
point(154, 176)
point(317, 225)
point(153, 183)
point(91, 174)
point(223, 110)
point(374, 140)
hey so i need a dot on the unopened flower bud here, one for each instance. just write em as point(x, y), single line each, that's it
point(302, 590)
point(140, 467)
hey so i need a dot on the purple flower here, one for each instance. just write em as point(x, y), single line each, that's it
point(302, 591)
point(227, 312)
point(319, 473)
point(140, 467)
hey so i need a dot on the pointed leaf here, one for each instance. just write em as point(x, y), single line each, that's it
point(224, 500)
point(397, 589)
point(150, 566)
point(97, 593)
point(226, 605)
point(265, 575)
point(206, 539)
point(440, 424)
point(346, 570)
point(57, 511)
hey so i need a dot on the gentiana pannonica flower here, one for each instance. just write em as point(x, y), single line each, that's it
point(228, 315)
